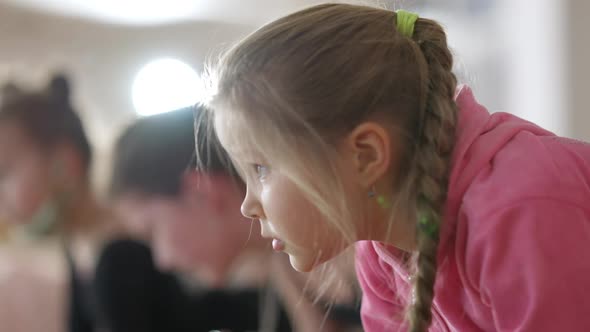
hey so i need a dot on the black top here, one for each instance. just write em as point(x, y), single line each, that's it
point(129, 294)
point(83, 312)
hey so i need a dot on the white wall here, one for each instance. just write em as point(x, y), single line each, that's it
point(578, 60)
point(535, 53)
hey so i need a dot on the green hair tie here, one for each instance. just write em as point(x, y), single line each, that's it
point(405, 22)
point(383, 202)
point(427, 226)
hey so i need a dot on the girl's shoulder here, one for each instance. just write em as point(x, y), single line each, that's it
point(529, 168)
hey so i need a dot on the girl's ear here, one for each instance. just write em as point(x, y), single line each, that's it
point(368, 146)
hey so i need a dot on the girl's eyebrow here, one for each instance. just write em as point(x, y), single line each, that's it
point(246, 155)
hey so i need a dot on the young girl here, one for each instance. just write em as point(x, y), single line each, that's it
point(45, 192)
point(347, 125)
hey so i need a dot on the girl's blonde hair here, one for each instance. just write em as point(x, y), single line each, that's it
point(301, 83)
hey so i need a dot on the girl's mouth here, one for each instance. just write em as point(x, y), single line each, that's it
point(278, 245)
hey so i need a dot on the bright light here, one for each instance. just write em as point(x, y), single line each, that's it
point(165, 85)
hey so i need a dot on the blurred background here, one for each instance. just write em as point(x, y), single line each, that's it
point(127, 59)
point(527, 57)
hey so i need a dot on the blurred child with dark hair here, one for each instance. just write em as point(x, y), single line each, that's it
point(45, 192)
point(213, 260)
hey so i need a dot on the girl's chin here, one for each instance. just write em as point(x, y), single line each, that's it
point(303, 264)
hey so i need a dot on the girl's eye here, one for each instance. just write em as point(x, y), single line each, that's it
point(261, 171)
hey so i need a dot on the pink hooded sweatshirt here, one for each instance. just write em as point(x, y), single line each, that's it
point(514, 251)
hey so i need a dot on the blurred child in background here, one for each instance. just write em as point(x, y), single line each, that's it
point(216, 277)
point(192, 221)
point(45, 192)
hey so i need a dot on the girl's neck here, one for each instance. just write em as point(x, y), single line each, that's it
point(398, 231)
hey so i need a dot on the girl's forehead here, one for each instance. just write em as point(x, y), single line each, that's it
point(234, 135)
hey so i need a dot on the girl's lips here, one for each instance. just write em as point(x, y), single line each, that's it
point(278, 245)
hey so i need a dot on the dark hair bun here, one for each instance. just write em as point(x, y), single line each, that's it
point(9, 92)
point(59, 88)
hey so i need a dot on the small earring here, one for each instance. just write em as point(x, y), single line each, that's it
point(381, 200)
point(371, 192)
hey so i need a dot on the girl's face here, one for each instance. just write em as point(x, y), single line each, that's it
point(286, 215)
point(25, 175)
